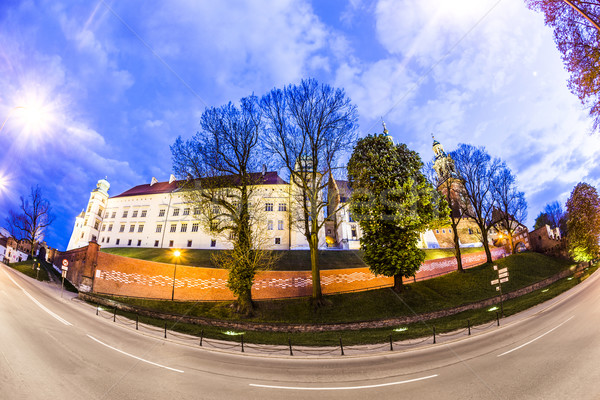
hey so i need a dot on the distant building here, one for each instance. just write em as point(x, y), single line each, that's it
point(546, 240)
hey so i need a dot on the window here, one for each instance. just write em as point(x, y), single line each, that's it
point(122, 228)
point(103, 227)
point(85, 222)
point(125, 214)
point(268, 206)
point(282, 207)
point(186, 211)
point(449, 230)
point(173, 227)
point(170, 243)
point(143, 214)
point(134, 215)
point(118, 241)
point(189, 243)
point(175, 212)
point(161, 213)
point(196, 211)
point(102, 240)
point(100, 211)
point(213, 226)
point(96, 224)
point(350, 219)
point(216, 211)
point(277, 240)
point(129, 242)
point(159, 228)
point(195, 227)
point(82, 235)
point(140, 228)
point(280, 225)
point(183, 227)
point(270, 225)
point(131, 227)
point(107, 239)
point(89, 208)
point(437, 231)
point(156, 243)
point(353, 232)
point(443, 231)
point(213, 243)
point(114, 214)
point(139, 243)
point(231, 235)
point(470, 231)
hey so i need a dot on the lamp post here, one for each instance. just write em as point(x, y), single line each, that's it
point(176, 254)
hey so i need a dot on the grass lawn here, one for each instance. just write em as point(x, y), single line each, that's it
point(367, 336)
point(447, 291)
point(293, 260)
point(25, 267)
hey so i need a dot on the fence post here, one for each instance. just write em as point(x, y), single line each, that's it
point(115, 314)
point(242, 343)
point(165, 330)
point(341, 346)
point(290, 344)
point(497, 319)
point(469, 326)
point(434, 335)
point(97, 307)
point(391, 344)
point(201, 336)
point(137, 321)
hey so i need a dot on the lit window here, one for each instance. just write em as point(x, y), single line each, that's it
point(159, 228)
point(175, 212)
point(270, 225)
point(173, 227)
point(132, 228)
point(110, 227)
point(268, 206)
point(161, 213)
point(186, 211)
point(134, 215)
point(195, 227)
point(280, 225)
point(282, 207)
point(125, 214)
point(143, 214)
point(122, 228)
point(140, 227)
point(183, 227)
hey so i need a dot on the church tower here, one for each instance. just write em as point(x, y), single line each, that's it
point(443, 164)
point(88, 222)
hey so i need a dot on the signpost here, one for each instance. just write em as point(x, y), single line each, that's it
point(502, 278)
point(65, 268)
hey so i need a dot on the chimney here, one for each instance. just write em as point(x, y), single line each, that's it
point(264, 169)
point(153, 181)
point(172, 178)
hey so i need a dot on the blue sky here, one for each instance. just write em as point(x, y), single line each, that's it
point(117, 82)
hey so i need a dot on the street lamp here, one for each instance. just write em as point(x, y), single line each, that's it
point(176, 254)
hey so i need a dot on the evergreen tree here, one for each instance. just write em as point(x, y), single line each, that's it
point(393, 202)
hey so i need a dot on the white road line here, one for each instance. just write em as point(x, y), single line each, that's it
point(38, 303)
point(533, 340)
point(136, 357)
point(342, 388)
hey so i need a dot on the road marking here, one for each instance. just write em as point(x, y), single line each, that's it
point(64, 321)
point(136, 357)
point(533, 340)
point(342, 388)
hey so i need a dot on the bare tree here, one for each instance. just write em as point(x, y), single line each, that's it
point(219, 179)
point(476, 169)
point(32, 219)
point(511, 209)
point(309, 126)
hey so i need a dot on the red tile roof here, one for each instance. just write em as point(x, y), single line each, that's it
point(269, 178)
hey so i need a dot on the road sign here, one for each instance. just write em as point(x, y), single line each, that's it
point(65, 268)
point(503, 280)
point(503, 270)
point(504, 275)
point(65, 263)
point(497, 288)
point(64, 274)
point(495, 281)
point(495, 268)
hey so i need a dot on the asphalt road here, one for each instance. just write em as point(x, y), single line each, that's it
point(53, 348)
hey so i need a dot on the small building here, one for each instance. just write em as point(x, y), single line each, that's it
point(545, 239)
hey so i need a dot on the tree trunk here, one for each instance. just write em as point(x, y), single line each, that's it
point(457, 253)
point(486, 245)
point(398, 286)
point(317, 295)
point(245, 306)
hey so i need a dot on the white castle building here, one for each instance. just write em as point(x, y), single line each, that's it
point(158, 215)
